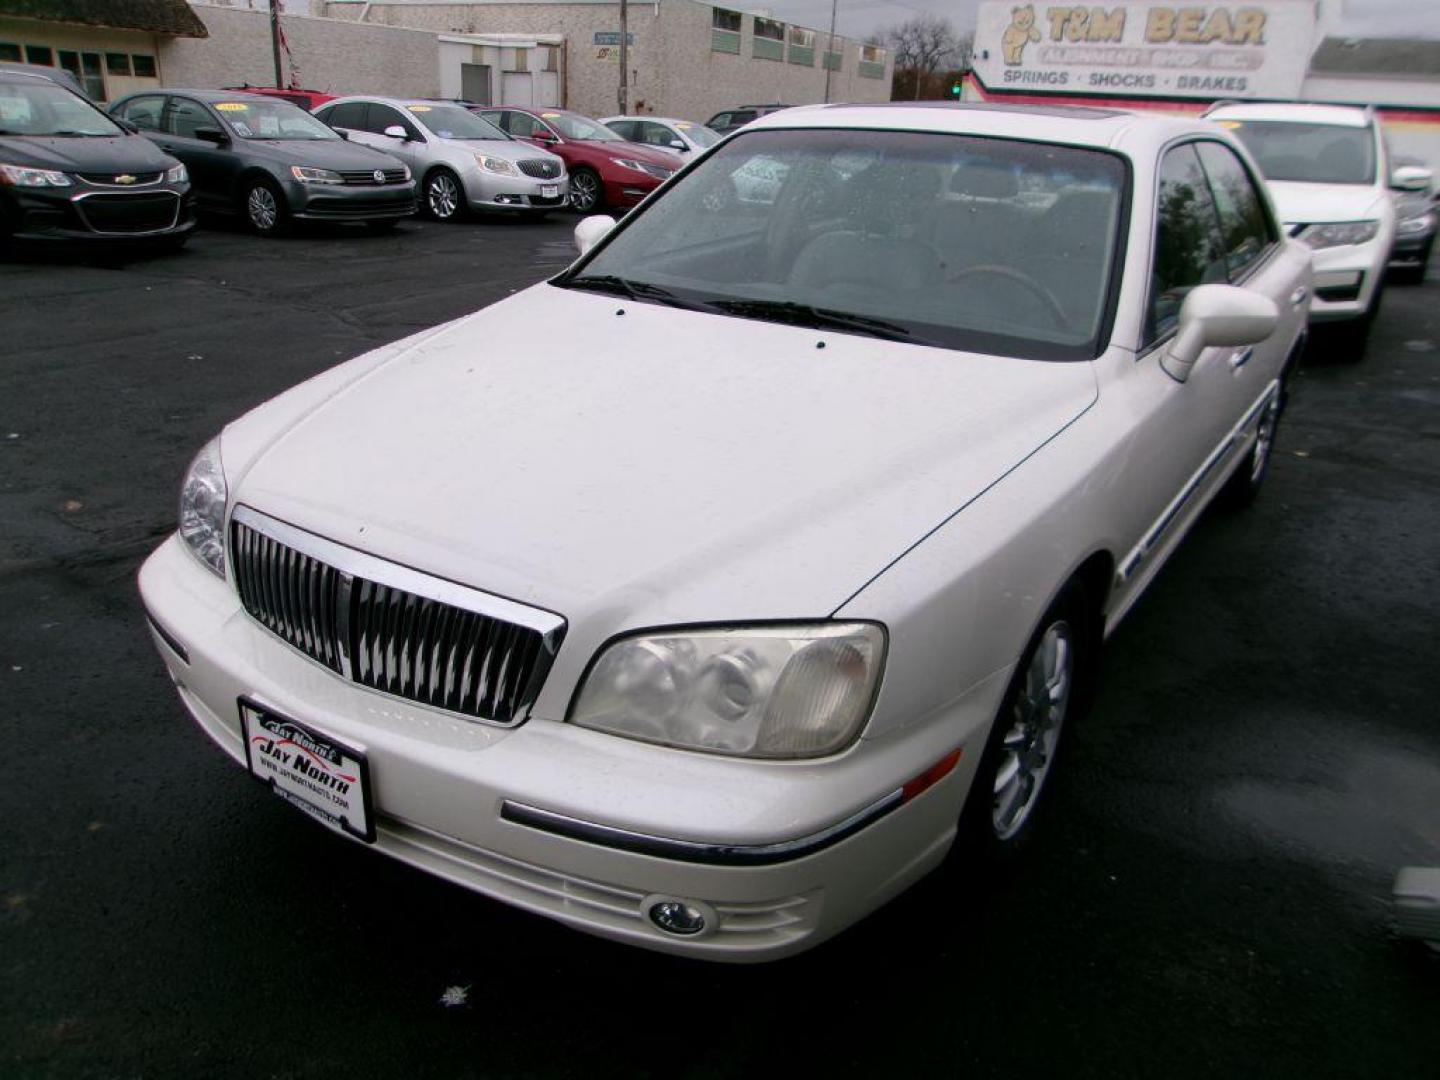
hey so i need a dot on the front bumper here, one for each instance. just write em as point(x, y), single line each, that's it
point(1412, 249)
point(347, 202)
point(489, 191)
point(91, 212)
point(1346, 278)
point(627, 191)
point(451, 796)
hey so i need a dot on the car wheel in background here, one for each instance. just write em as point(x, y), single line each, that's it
point(263, 206)
point(1244, 483)
point(443, 199)
point(585, 191)
point(1414, 275)
point(1048, 690)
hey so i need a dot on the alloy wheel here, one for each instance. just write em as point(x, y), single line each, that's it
point(1264, 439)
point(443, 196)
point(1028, 748)
point(261, 206)
point(584, 191)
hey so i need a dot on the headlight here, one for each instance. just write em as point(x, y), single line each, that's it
point(23, 176)
point(496, 165)
point(630, 163)
point(202, 508)
point(790, 691)
point(177, 175)
point(1415, 225)
point(307, 175)
point(1337, 233)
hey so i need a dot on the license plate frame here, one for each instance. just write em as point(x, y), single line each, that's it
point(322, 776)
point(549, 191)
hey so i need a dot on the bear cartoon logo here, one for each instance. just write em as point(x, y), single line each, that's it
point(1020, 31)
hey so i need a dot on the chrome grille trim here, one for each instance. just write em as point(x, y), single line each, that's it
point(390, 628)
point(366, 177)
point(539, 168)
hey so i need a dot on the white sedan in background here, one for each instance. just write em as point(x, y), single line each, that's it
point(682, 136)
point(709, 620)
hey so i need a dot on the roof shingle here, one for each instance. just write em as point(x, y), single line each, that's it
point(173, 17)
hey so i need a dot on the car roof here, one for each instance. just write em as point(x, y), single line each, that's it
point(655, 119)
point(1337, 115)
point(210, 97)
point(1136, 133)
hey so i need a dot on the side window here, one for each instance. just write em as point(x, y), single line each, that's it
point(624, 128)
point(348, 114)
point(720, 121)
point(741, 118)
point(522, 125)
point(186, 117)
point(1188, 251)
point(383, 116)
point(500, 119)
point(656, 135)
point(1244, 230)
point(143, 112)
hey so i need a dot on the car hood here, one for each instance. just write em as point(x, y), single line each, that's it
point(320, 153)
point(1297, 202)
point(505, 149)
point(629, 464)
point(92, 154)
point(665, 158)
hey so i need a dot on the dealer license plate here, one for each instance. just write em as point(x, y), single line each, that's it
point(549, 191)
point(324, 778)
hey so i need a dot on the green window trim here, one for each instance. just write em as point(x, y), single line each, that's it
point(832, 61)
point(725, 41)
point(868, 69)
point(768, 49)
point(801, 54)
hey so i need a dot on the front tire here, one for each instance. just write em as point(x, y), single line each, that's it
point(586, 193)
point(1245, 482)
point(1049, 689)
point(443, 198)
point(263, 206)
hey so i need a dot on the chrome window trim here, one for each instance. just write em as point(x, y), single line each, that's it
point(693, 851)
point(383, 572)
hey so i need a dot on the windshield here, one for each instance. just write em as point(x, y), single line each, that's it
point(35, 107)
point(699, 134)
point(1309, 153)
point(578, 127)
point(990, 245)
point(272, 118)
point(455, 122)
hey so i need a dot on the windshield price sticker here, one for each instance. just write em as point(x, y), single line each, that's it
point(419, 108)
point(324, 778)
point(231, 106)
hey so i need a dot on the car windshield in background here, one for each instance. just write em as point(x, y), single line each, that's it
point(577, 127)
point(455, 122)
point(272, 119)
point(988, 245)
point(43, 108)
point(1309, 153)
point(699, 133)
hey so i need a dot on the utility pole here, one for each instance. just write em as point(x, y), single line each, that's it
point(829, 49)
point(624, 58)
point(275, 42)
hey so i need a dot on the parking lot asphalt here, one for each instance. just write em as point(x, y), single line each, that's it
point(1207, 896)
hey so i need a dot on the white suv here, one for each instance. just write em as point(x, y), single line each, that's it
point(1328, 172)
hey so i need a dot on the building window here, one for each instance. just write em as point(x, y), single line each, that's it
point(144, 66)
point(117, 63)
point(40, 54)
point(725, 31)
point(552, 58)
point(872, 62)
point(769, 41)
point(834, 61)
point(522, 60)
point(9, 51)
point(800, 46)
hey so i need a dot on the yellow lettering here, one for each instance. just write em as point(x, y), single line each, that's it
point(1058, 16)
point(1107, 26)
point(1159, 24)
point(1079, 19)
point(1249, 27)
point(1187, 24)
point(1217, 27)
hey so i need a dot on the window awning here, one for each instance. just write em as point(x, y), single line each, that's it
point(171, 17)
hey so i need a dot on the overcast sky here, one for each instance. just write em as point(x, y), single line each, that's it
point(860, 18)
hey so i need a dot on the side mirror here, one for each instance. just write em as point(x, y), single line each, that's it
point(343, 134)
point(591, 231)
point(677, 144)
point(1411, 178)
point(1217, 315)
point(395, 131)
point(212, 135)
point(541, 135)
point(127, 126)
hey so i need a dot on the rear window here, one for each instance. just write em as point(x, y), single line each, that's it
point(1308, 153)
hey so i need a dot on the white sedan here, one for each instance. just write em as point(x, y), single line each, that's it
point(711, 623)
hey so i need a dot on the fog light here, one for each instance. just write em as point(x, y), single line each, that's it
point(678, 917)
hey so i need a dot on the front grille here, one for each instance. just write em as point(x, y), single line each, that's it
point(539, 168)
point(130, 213)
point(366, 177)
point(113, 179)
point(336, 606)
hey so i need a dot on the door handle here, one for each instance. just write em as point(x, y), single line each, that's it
point(1298, 296)
point(1240, 359)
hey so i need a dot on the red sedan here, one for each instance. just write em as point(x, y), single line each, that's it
point(605, 170)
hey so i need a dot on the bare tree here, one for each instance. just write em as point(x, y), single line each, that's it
point(921, 45)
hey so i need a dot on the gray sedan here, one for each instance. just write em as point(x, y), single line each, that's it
point(462, 160)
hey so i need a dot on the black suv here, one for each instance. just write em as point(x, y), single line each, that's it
point(69, 172)
point(727, 121)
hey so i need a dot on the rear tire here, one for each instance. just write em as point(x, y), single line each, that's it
point(262, 205)
point(586, 193)
point(1051, 687)
point(443, 197)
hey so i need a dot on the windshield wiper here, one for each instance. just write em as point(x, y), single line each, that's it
point(787, 311)
point(635, 290)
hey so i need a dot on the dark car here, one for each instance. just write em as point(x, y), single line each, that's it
point(40, 71)
point(269, 161)
point(604, 169)
point(69, 172)
point(733, 119)
point(1416, 215)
